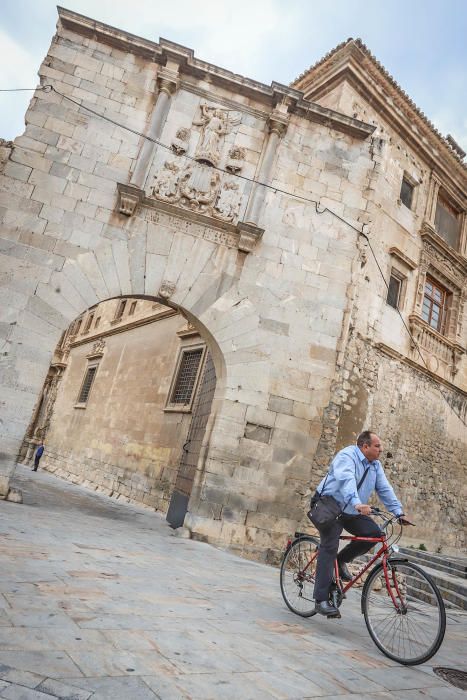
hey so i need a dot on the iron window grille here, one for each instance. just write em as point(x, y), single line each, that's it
point(186, 378)
point(87, 384)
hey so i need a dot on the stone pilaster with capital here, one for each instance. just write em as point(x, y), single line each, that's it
point(167, 83)
point(277, 126)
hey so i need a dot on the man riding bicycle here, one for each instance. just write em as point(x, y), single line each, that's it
point(355, 473)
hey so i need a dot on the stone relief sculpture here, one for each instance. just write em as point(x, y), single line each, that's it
point(165, 185)
point(235, 159)
point(180, 141)
point(215, 123)
point(166, 289)
point(228, 202)
point(97, 348)
point(199, 187)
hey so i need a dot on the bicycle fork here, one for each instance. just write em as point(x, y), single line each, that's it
point(392, 584)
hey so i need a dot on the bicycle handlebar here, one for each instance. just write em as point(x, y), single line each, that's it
point(390, 517)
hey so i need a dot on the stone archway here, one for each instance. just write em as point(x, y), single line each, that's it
point(192, 276)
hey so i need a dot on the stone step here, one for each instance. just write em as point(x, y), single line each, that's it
point(453, 588)
point(456, 566)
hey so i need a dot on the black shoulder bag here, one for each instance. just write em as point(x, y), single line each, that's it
point(324, 510)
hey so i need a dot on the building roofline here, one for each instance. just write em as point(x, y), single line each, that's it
point(163, 51)
point(356, 48)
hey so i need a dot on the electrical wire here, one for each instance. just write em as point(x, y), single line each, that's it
point(51, 88)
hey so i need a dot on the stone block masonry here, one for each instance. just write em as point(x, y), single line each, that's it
point(272, 274)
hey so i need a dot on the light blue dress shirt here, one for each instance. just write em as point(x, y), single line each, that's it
point(346, 470)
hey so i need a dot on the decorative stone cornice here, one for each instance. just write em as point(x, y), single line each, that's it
point(243, 236)
point(278, 123)
point(129, 196)
point(394, 354)
point(166, 52)
point(402, 257)
point(250, 235)
point(124, 327)
point(168, 81)
point(452, 263)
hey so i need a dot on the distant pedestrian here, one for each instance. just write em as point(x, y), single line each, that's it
point(38, 455)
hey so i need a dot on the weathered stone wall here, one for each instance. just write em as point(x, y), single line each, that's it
point(93, 212)
point(122, 441)
point(272, 317)
point(423, 446)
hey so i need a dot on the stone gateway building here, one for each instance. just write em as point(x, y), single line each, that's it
point(297, 255)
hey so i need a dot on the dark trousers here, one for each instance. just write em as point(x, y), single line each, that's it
point(36, 462)
point(359, 525)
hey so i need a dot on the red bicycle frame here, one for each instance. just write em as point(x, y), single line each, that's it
point(381, 553)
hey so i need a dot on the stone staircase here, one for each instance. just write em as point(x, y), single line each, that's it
point(449, 573)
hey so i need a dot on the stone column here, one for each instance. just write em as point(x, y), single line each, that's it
point(168, 80)
point(277, 123)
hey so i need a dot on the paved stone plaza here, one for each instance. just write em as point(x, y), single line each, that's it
point(98, 599)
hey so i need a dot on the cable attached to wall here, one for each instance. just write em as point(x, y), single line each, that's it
point(50, 88)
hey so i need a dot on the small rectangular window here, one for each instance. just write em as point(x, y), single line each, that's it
point(394, 291)
point(132, 308)
point(120, 310)
point(89, 321)
point(98, 320)
point(435, 305)
point(447, 222)
point(187, 374)
point(77, 327)
point(407, 190)
point(87, 384)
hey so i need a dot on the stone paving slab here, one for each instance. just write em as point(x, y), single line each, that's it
point(100, 600)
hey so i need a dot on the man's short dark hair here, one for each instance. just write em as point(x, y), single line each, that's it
point(365, 438)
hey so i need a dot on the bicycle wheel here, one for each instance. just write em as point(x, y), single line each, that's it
point(298, 575)
point(406, 620)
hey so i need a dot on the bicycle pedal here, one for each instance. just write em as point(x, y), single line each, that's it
point(337, 616)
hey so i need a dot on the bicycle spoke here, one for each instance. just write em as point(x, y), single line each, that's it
point(297, 576)
point(412, 629)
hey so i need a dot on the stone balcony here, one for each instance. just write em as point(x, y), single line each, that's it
point(441, 355)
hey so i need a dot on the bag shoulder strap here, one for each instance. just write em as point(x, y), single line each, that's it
point(363, 476)
point(358, 485)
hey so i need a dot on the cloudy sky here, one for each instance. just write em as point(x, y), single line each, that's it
point(422, 43)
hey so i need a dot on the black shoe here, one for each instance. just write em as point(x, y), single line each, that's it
point(324, 607)
point(344, 573)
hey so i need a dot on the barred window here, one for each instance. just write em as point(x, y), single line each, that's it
point(87, 384)
point(187, 375)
